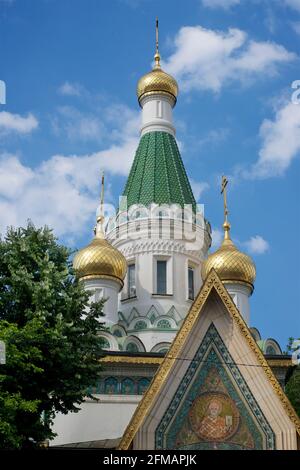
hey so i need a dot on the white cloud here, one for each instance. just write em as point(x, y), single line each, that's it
point(225, 4)
point(217, 236)
point(206, 59)
point(109, 124)
point(295, 4)
point(70, 89)
point(63, 191)
point(77, 125)
point(296, 26)
point(215, 136)
point(13, 176)
point(257, 245)
point(280, 142)
point(198, 188)
point(15, 123)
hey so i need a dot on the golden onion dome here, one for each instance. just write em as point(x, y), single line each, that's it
point(100, 259)
point(157, 81)
point(231, 265)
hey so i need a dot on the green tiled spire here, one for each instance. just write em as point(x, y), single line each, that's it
point(157, 173)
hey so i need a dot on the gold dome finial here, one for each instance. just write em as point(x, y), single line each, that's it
point(231, 265)
point(98, 230)
point(157, 81)
point(157, 54)
point(100, 259)
point(226, 224)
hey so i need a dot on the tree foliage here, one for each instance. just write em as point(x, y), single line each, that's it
point(51, 336)
point(292, 389)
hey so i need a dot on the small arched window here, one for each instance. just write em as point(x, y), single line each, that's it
point(128, 387)
point(132, 347)
point(164, 324)
point(140, 325)
point(111, 386)
point(143, 384)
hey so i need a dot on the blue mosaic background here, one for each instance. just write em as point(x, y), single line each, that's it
point(213, 371)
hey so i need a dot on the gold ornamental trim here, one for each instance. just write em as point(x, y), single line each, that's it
point(158, 360)
point(243, 283)
point(165, 93)
point(280, 363)
point(212, 281)
point(102, 276)
point(132, 360)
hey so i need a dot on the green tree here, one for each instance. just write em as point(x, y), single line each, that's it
point(289, 346)
point(52, 343)
point(292, 389)
point(292, 380)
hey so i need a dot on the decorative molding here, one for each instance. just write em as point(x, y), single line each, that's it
point(212, 282)
point(102, 276)
point(132, 360)
point(159, 360)
point(155, 246)
point(280, 363)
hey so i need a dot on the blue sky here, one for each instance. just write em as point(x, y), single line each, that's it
point(71, 68)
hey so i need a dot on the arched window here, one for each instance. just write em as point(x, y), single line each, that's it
point(128, 387)
point(111, 386)
point(140, 325)
point(132, 347)
point(143, 384)
point(163, 351)
point(164, 324)
point(270, 350)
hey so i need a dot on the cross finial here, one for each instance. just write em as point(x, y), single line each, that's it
point(223, 191)
point(100, 219)
point(157, 55)
point(226, 224)
point(156, 34)
point(102, 195)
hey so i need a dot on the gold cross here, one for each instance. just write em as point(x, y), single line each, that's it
point(224, 192)
point(157, 55)
point(156, 35)
point(102, 195)
point(100, 217)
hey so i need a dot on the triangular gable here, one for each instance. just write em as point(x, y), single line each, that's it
point(212, 291)
point(206, 380)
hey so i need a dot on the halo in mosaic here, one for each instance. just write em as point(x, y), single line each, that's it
point(213, 408)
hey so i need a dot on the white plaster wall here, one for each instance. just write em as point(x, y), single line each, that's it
point(150, 338)
point(146, 288)
point(109, 289)
point(157, 114)
point(241, 294)
point(96, 421)
point(179, 249)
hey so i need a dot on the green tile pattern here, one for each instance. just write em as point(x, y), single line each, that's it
point(157, 174)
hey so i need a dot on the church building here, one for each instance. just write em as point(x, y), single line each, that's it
point(184, 368)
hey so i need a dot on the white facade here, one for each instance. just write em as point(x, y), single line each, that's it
point(240, 294)
point(157, 114)
point(109, 290)
point(149, 317)
point(106, 419)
